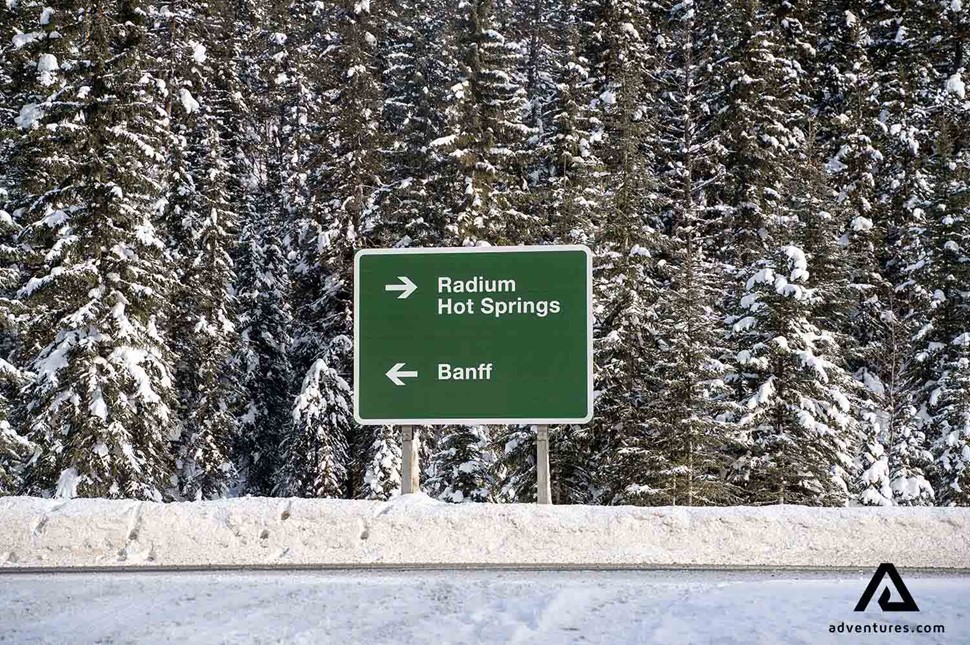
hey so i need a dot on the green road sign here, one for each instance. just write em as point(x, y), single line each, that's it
point(473, 335)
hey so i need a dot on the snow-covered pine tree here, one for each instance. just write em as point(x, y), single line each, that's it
point(893, 460)
point(201, 227)
point(270, 168)
point(482, 176)
point(462, 468)
point(286, 100)
point(14, 449)
point(533, 26)
point(625, 241)
point(570, 167)
point(848, 105)
point(686, 432)
point(537, 31)
point(516, 475)
point(902, 71)
point(760, 111)
point(382, 472)
point(950, 405)
point(344, 211)
point(8, 109)
point(851, 107)
point(260, 403)
point(895, 456)
point(913, 47)
point(822, 213)
point(263, 355)
point(315, 453)
point(206, 330)
point(415, 81)
point(379, 462)
point(799, 415)
point(465, 465)
point(99, 406)
point(945, 356)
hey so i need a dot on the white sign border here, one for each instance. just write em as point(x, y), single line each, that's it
point(478, 249)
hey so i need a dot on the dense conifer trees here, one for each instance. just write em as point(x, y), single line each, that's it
point(777, 196)
point(87, 182)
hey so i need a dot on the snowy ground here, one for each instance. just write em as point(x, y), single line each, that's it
point(416, 530)
point(466, 606)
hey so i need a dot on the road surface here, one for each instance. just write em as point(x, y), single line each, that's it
point(460, 606)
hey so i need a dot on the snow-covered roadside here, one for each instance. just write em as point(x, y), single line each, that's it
point(526, 607)
point(416, 530)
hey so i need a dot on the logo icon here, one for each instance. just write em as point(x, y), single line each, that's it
point(906, 604)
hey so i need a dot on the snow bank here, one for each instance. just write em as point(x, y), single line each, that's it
point(416, 530)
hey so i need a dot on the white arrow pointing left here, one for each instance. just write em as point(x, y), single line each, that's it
point(406, 287)
point(396, 373)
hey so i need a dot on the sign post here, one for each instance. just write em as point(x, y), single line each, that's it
point(472, 336)
point(410, 477)
point(544, 489)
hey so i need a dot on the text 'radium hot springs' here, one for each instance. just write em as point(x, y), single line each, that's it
point(489, 306)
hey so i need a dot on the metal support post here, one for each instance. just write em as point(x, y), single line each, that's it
point(410, 480)
point(542, 465)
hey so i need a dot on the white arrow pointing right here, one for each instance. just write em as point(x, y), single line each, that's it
point(396, 373)
point(406, 287)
